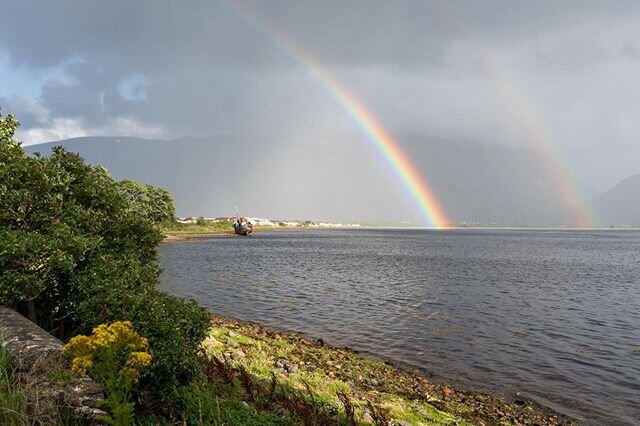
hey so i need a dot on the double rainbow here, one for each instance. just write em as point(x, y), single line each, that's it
point(414, 184)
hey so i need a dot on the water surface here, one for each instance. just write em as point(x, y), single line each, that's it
point(553, 314)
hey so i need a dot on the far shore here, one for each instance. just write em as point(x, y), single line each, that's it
point(198, 233)
point(189, 234)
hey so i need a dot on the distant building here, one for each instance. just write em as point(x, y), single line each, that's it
point(188, 219)
point(261, 221)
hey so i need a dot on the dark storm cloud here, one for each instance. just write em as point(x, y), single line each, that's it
point(207, 70)
point(145, 34)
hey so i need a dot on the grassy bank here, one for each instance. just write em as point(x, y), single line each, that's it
point(201, 226)
point(282, 378)
point(12, 401)
point(202, 229)
point(257, 376)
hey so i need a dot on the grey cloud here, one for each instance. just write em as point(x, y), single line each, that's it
point(631, 50)
point(150, 33)
point(30, 111)
point(418, 65)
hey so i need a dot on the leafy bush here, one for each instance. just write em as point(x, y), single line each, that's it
point(62, 221)
point(78, 249)
point(153, 203)
point(175, 330)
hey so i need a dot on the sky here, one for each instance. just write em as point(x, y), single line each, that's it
point(563, 77)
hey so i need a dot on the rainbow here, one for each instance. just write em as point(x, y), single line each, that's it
point(523, 109)
point(413, 182)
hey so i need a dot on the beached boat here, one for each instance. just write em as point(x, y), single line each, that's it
point(242, 225)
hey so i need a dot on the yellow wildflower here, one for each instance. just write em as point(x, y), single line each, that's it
point(81, 364)
point(103, 336)
point(119, 336)
point(138, 359)
point(79, 346)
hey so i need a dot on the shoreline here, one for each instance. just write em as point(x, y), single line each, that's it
point(175, 236)
point(368, 377)
point(171, 237)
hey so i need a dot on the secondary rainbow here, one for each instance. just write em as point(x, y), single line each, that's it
point(523, 110)
point(411, 179)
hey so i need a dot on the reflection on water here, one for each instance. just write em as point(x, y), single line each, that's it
point(554, 314)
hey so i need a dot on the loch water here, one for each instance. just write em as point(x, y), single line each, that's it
point(554, 314)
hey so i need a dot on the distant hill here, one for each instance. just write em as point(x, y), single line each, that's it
point(490, 184)
point(266, 177)
point(620, 205)
point(339, 180)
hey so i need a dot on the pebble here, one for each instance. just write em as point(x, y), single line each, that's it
point(371, 382)
point(282, 412)
point(237, 354)
point(232, 343)
point(291, 368)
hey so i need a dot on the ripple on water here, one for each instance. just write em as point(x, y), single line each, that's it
point(551, 313)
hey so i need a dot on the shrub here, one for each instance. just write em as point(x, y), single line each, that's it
point(78, 249)
point(175, 330)
point(63, 222)
point(153, 203)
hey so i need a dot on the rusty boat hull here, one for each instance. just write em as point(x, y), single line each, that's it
point(243, 228)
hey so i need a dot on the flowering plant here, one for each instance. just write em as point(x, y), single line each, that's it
point(113, 355)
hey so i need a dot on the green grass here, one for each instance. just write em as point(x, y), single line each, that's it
point(13, 404)
point(193, 228)
point(262, 359)
point(219, 404)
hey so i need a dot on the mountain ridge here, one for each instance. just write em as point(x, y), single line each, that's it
point(273, 176)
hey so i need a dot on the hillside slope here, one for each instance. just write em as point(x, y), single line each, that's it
point(342, 180)
point(620, 205)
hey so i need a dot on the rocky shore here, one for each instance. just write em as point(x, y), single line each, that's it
point(366, 391)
